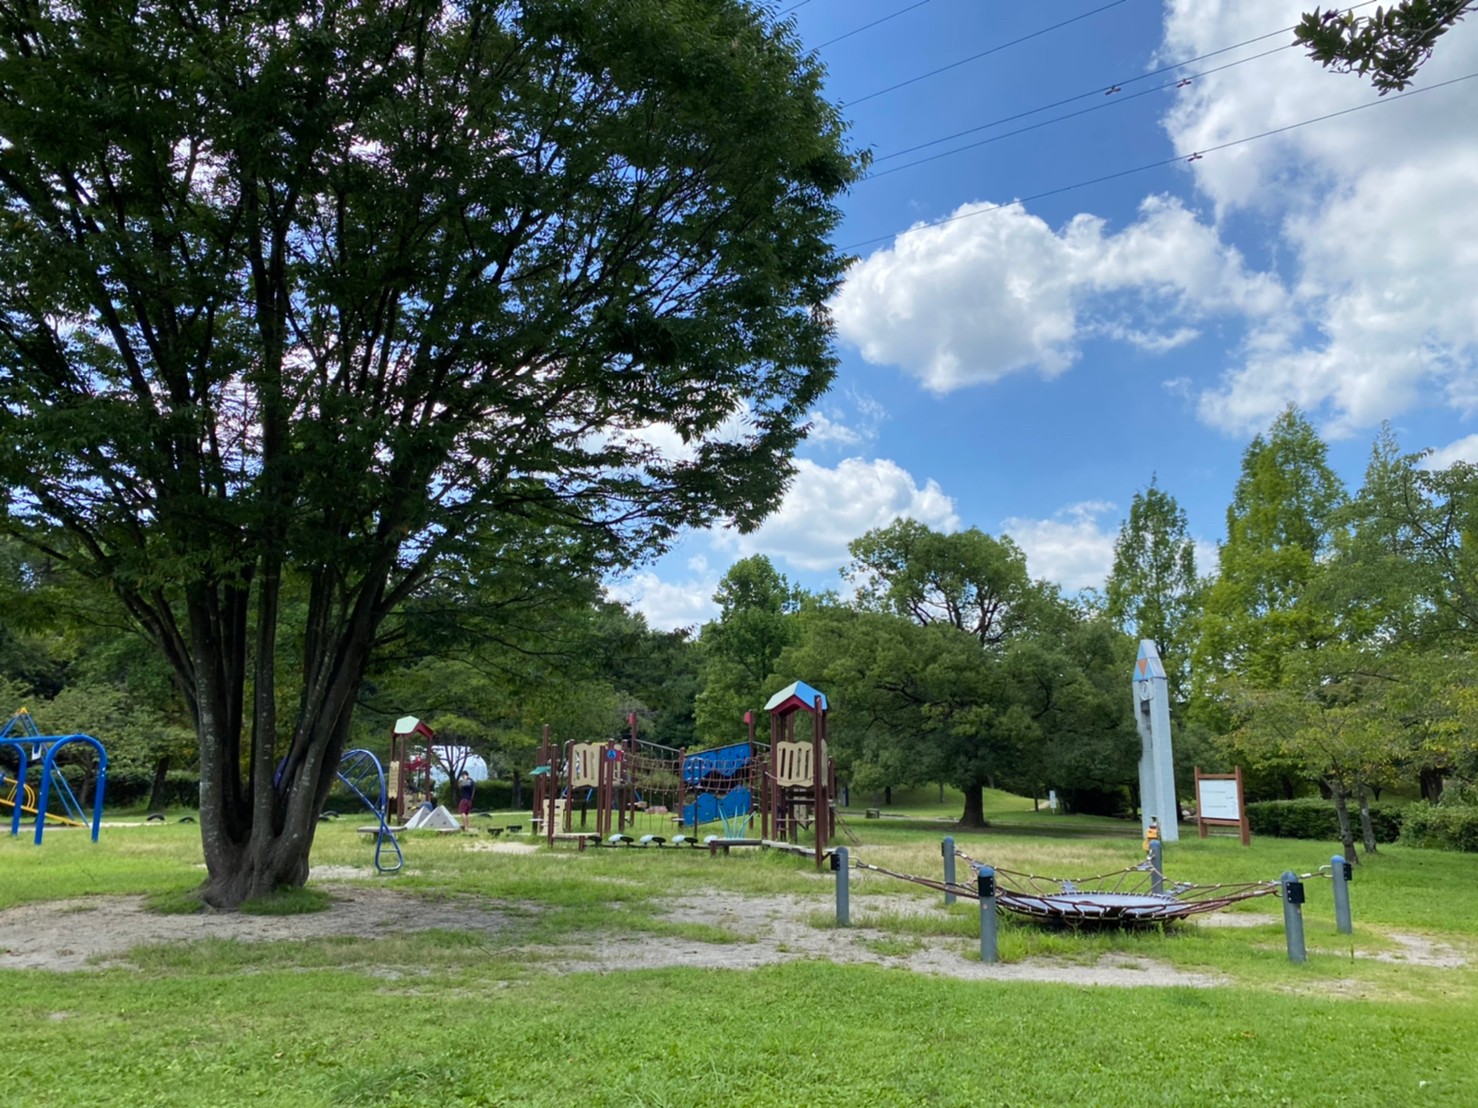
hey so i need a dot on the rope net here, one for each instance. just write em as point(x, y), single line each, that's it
point(1122, 898)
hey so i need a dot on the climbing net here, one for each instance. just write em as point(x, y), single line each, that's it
point(1137, 895)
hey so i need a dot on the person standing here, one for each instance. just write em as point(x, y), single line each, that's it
point(465, 788)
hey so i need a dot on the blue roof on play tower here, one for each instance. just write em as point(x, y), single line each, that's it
point(801, 693)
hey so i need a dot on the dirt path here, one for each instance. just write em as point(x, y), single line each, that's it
point(83, 933)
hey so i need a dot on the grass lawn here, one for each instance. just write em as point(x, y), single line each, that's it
point(462, 1013)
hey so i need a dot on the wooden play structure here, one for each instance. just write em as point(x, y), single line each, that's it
point(760, 794)
point(408, 775)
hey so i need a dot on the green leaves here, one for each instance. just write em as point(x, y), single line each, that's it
point(1388, 46)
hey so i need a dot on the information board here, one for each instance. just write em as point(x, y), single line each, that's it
point(1218, 799)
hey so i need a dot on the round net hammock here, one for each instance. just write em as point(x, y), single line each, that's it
point(1135, 896)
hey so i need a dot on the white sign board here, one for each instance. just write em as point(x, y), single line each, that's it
point(1218, 800)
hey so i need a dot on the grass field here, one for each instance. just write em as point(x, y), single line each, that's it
point(493, 977)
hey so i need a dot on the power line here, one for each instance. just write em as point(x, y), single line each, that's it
point(1057, 118)
point(1195, 155)
point(793, 7)
point(1079, 96)
point(984, 53)
point(867, 26)
point(1095, 91)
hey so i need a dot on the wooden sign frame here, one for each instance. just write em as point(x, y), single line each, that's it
point(1240, 822)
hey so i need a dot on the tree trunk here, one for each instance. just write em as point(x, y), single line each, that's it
point(1342, 810)
point(974, 814)
point(517, 790)
point(1431, 780)
point(156, 792)
point(1367, 828)
point(887, 794)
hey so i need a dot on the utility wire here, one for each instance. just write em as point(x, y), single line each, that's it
point(1095, 91)
point(793, 7)
point(1195, 155)
point(984, 53)
point(1055, 119)
point(1081, 95)
point(867, 26)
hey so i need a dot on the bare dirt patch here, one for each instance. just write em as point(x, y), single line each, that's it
point(81, 933)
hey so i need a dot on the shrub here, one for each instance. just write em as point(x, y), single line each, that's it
point(1441, 828)
point(129, 788)
point(1313, 818)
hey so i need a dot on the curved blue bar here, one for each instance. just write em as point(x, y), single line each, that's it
point(361, 772)
point(48, 771)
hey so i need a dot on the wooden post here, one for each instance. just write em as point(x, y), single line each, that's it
point(818, 779)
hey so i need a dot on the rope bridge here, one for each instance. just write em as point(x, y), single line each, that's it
point(1137, 895)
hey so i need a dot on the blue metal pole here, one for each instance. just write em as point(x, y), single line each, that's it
point(986, 884)
point(20, 791)
point(1339, 870)
point(947, 848)
point(841, 862)
point(43, 796)
point(1157, 867)
point(1293, 915)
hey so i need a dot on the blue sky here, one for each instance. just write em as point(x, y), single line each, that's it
point(1026, 367)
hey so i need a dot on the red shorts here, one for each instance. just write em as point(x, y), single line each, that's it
point(464, 807)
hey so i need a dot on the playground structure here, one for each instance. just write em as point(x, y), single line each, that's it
point(409, 775)
point(785, 786)
point(361, 773)
point(21, 735)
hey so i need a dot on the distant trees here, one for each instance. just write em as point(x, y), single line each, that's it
point(1151, 589)
point(741, 648)
point(1281, 524)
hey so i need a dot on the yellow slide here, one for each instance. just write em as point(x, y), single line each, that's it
point(8, 803)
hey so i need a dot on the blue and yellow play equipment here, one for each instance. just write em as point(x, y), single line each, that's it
point(21, 735)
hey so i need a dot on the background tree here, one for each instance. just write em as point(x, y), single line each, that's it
point(1152, 587)
point(741, 648)
point(304, 297)
point(962, 691)
point(1263, 603)
point(1327, 721)
point(1388, 46)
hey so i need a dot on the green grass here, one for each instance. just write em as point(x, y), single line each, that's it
point(818, 1034)
point(454, 1017)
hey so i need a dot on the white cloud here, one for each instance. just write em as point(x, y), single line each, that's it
point(1377, 210)
point(849, 419)
point(826, 508)
point(997, 292)
point(1464, 450)
point(668, 605)
point(1075, 546)
point(826, 430)
point(1071, 548)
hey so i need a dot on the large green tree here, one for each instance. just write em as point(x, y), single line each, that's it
point(741, 648)
point(305, 294)
point(1265, 599)
point(1152, 587)
point(971, 596)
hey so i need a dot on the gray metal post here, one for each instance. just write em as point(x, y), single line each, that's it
point(1339, 870)
point(1293, 915)
point(842, 864)
point(947, 848)
point(986, 884)
point(1157, 867)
